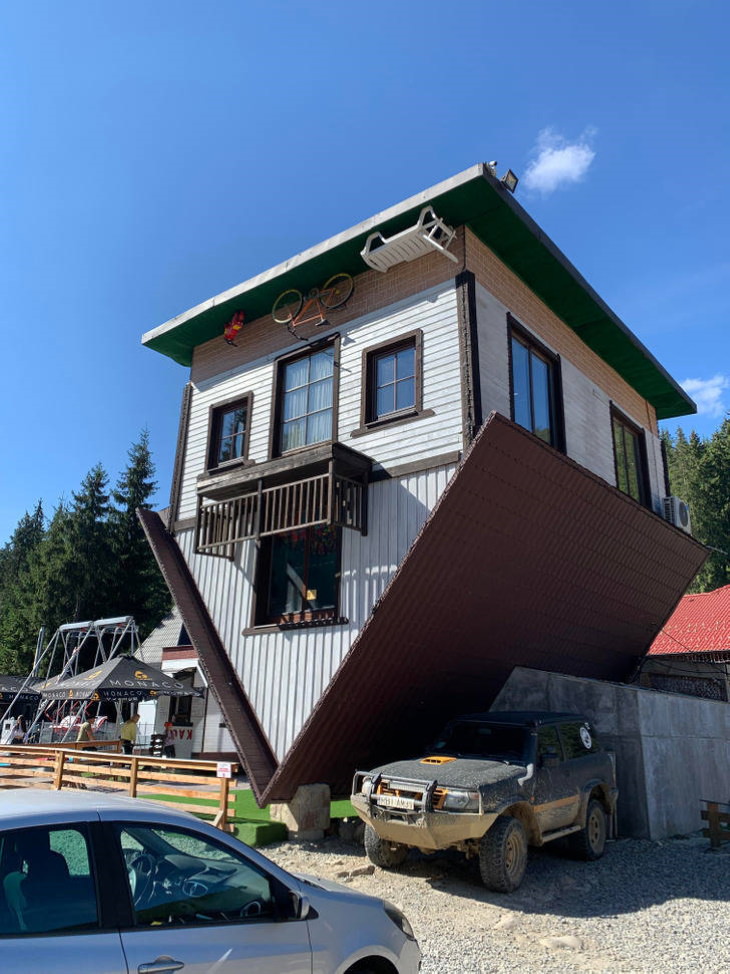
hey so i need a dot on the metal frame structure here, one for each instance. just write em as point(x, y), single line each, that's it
point(112, 637)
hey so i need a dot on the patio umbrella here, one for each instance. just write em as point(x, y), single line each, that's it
point(120, 678)
point(10, 687)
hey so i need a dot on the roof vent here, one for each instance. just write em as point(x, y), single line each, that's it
point(676, 511)
point(428, 233)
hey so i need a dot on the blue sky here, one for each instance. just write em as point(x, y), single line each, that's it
point(155, 154)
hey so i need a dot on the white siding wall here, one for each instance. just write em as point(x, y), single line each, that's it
point(433, 311)
point(586, 407)
point(286, 672)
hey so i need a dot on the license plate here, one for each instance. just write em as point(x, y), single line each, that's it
point(396, 801)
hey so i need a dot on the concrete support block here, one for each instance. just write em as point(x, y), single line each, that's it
point(307, 815)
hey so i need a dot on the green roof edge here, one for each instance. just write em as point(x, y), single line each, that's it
point(478, 200)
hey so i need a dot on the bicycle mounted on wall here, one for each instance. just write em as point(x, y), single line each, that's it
point(291, 308)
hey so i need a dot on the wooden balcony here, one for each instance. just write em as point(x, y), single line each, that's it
point(327, 498)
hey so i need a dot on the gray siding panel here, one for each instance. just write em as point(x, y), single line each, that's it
point(493, 353)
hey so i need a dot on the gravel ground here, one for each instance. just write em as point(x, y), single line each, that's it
point(645, 908)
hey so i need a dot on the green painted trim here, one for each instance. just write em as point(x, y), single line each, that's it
point(480, 202)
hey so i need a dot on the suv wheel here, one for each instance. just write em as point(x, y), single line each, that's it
point(381, 852)
point(503, 855)
point(590, 842)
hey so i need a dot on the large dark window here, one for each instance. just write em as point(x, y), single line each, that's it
point(534, 387)
point(300, 576)
point(205, 883)
point(578, 740)
point(306, 396)
point(229, 426)
point(628, 448)
point(47, 881)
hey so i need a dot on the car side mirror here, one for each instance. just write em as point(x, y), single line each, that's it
point(301, 906)
point(551, 758)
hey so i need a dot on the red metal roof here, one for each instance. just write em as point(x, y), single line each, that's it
point(699, 624)
point(527, 560)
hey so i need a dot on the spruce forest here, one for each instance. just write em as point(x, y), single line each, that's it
point(88, 560)
point(699, 473)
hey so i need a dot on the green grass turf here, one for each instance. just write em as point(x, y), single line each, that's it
point(252, 824)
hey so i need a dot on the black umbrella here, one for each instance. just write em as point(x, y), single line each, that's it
point(11, 686)
point(120, 678)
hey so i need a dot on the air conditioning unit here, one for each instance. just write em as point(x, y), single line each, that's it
point(676, 511)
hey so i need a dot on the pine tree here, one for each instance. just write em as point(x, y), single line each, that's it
point(715, 513)
point(140, 589)
point(699, 473)
point(91, 564)
point(15, 558)
point(48, 594)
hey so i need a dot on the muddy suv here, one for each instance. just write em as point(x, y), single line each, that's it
point(492, 784)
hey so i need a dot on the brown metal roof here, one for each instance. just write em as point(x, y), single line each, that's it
point(526, 560)
point(248, 736)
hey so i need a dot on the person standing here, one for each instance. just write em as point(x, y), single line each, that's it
point(168, 745)
point(128, 733)
point(85, 733)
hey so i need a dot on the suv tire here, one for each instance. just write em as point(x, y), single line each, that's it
point(383, 853)
point(503, 855)
point(589, 843)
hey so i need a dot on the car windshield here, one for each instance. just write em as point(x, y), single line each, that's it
point(468, 738)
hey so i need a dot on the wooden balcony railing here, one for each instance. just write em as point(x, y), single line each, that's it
point(327, 498)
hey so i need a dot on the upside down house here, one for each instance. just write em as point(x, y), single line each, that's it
point(411, 458)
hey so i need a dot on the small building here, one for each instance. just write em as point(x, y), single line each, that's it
point(411, 458)
point(198, 725)
point(691, 653)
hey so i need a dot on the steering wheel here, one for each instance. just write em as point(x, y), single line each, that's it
point(141, 878)
point(253, 909)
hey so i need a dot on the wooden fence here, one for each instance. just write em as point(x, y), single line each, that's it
point(717, 816)
point(191, 785)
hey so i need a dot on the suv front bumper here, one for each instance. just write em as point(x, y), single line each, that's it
point(423, 830)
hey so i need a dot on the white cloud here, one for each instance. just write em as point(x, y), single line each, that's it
point(708, 394)
point(558, 162)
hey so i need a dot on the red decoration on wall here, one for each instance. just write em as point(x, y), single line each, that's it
point(233, 327)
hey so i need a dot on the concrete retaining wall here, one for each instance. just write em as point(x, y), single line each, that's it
point(671, 750)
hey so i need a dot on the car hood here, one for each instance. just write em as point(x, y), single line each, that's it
point(457, 773)
point(329, 884)
point(312, 886)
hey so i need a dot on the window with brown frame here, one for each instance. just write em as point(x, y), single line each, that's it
point(392, 379)
point(228, 437)
point(630, 457)
point(535, 388)
point(305, 399)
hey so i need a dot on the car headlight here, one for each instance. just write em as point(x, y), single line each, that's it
point(399, 919)
point(457, 800)
point(367, 786)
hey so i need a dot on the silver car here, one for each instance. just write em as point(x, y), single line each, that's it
point(93, 884)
